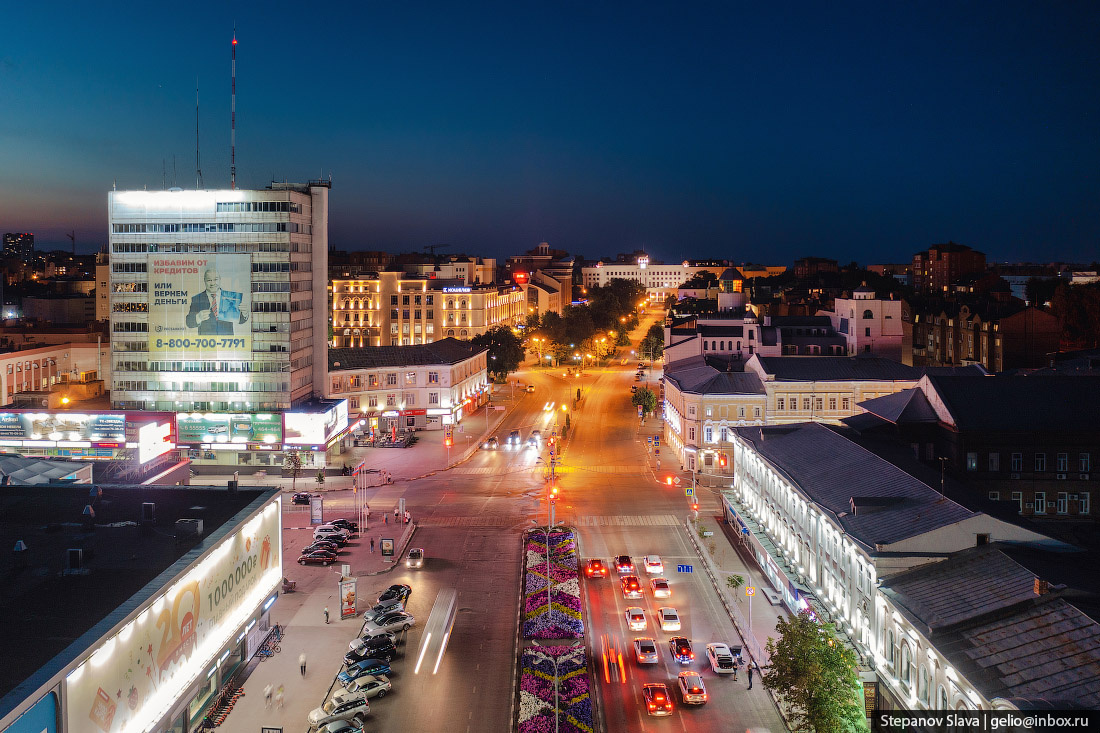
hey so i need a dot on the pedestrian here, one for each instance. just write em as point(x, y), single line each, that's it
point(395, 514)
point(385, 519)
point(279, 697)
point(372, 544)
point(302, 663)
point(406, 517)
point(267, 696)
point(752, 666)
point(326, 614)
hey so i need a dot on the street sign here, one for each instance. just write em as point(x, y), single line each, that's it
point(656, 440)
point(649, 440)
point(676, 480)
point(639, 410)
point(689, 491)
point(656, 451)
point(750, 590)
point(683, 568)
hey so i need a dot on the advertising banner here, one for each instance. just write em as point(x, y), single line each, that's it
point(347, 597)
point(315, 428)
point(200, 305)
point(133, 678)
point(63, 426)
point(228, 428)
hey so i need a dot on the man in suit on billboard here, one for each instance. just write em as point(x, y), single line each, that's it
point(214, 311)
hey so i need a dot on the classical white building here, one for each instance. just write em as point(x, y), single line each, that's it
point(869, 325)
point(218, 298)
point(410, 387)
point(659, 280)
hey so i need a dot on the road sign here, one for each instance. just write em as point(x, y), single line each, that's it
point(750, 590)
point(676, 480)
point(656, 440)
point(649, 440)
point(656, 451)
point(689, 491)
point(683, 568)
point(639, 410)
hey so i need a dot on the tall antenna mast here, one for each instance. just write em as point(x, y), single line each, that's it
point(198, 168)
point(233, 119)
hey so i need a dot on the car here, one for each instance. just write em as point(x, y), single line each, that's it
point(368, 638)
point(529, 388)
point(532, 442)
point(680, 646)
point(670, 619)
point(645, 650)
point(393, 621)
point(633, 389)
point(342, 695)
point(635, 619)
point(624, 565)
point(653, 564)
point(384, 650)
point(692, 689)
point(537, 435)
point(374, 685)
point(398, 591)
point(301, 498)
point(381, 609)
point(362, 669)
point(317, 557)
point(415, 558)
point(595, 569)
point(336, 534)
point(322, 545)
point(721, 658)
point(492, 443)
point(641, 365)
point(637, 377)
point(657, 700)
point(514, 440)
point(355, 725)
point(661, 588)
point(347, 524)
point(632, 588)
point(332, 712)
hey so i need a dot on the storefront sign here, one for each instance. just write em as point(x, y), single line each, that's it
point(200, 305)
point(133, 679)
point(347, 597)
point(456, 290)
point(213, 427)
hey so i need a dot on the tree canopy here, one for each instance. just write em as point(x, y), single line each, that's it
point(505, 350)
point(653, 345)
point(815, 674)
point(646, 398)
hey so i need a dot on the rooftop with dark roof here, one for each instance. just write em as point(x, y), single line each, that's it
point(996, 404)
point(697, 376)
point(444, 351)
point(835, 368)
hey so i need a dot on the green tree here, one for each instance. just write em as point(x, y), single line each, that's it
point(321, 478)
point(646, 398)
point(653, 345)
point(815, 674)
point(505, 350)
point(293, 463)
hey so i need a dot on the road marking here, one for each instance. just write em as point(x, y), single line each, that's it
point(475, 521)
point(614, 520)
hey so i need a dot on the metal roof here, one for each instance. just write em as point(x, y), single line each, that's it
point(906, 406)
point(836, 369)
point(1051, 403)
point(445, 351)
point(696, 376)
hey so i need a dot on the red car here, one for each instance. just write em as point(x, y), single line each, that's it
point(595, 569)
point(317, 557)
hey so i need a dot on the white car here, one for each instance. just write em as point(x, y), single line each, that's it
point(332, 711)
point(635, 619)
point(721, 658)
point(415, 558)
point(373, 685)
point(393, 621)
point(692, 689)
point(330, 533)
point(653, 564)
point(670, 619)
point(661, 588)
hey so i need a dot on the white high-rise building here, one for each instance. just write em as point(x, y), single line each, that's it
point(219, 299)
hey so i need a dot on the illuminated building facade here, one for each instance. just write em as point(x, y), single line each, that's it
point(217, 298)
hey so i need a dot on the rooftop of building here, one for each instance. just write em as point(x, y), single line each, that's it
point(1052, 404)
point(698, 376)
point(845, 479)
point(31, 471)
point(981, 609)
point(835, 368)
point(125, 564)
point(444, 351)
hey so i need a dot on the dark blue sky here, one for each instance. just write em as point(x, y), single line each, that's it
point(858, 131)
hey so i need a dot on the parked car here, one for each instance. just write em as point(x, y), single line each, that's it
point(680, 647)
point(415, 558)
point(398, 591)
point(322, 545)
point(661, 588)
point(368, 638)
point(645, 650)
point(595, 569)
point(492, 443)
point(692, 689)
point(355, 725)
point(374, 685)
point(347, 524)
point(632, 587)
point(670, 619)
point(328, 532)
point(394, 621)
point(342, 695)
point(624, 565)
point(301, 498)
point(653, 564)
point(657, 700)
point(317, 557)
point(381, 609)
point(635, 619)
point(384, 649)
point(362, 669)
point(332, 712)
point(721, 658)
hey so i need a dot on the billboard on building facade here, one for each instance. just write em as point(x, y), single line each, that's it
point(132, 679)
point(229, 428)
point(200, 305)
point(315, 428)
point(60, 425)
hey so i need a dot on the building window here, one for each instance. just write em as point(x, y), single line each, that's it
point(691, 410)
point(740, 412)
point(391, 400)
point(1084, 460)
point(1017, 462)
point(708, 435)
point(1063, 462)
point(756, 412)
point(1084, 507)
point(780, 404)
point(832, 403)
point(806, 404)
point(818, 404)
point(890, 647)
point(924, 684)
point(433, 377)
point(691, 433)
point(971, 461)
point(904, 675)
point(844, 403)
point(353, 403)
point(867, 332)
point(1018, 497)
point(391, 379)
point(1063, 502)
point(709, 410)
point(410, 378)
point(1040, 502)
point(1040, 462)
point(994, 496)
point(941, 699)
point(994, 462)
point(868, 315)
point(372, 401)
point(433, 398)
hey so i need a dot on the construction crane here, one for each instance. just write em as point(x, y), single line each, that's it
point(72, 238)
point(431, 248)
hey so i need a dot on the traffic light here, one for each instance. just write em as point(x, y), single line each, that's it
point(694, 506)
point(448, 441)
point(668, 480)
point(722, 461)
point(554, 490)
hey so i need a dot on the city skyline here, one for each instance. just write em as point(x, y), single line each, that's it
point(730, 132)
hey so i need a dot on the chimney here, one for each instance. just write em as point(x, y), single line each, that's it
point(1041, 587)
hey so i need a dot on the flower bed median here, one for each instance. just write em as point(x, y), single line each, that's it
point(537, 697)
point(564, 596)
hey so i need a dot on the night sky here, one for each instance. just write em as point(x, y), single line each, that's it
point(736, 130)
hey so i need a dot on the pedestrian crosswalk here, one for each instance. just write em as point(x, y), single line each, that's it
point(500, 520)
point(501, 470)
point(479, 520)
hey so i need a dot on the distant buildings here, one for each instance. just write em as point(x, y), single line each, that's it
point(19, 245)
point(869, 325)
point(998, 334)
point(943, 264)
point(660, 280)
point(808, 267)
